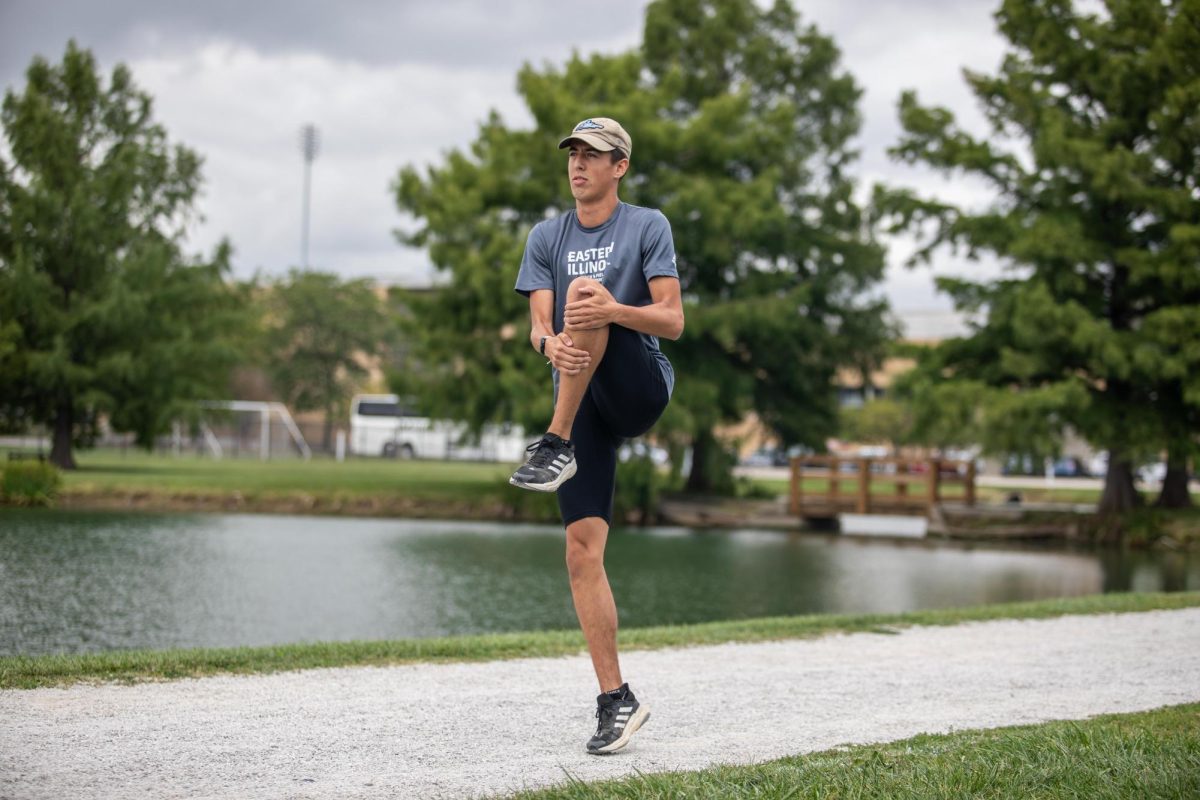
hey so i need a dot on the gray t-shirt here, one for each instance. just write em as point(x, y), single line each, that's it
point(624, 253)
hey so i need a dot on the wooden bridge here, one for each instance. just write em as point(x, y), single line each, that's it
point(824, 486)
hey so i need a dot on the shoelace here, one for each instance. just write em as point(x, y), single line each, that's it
point(543, 453)
point(604, 714)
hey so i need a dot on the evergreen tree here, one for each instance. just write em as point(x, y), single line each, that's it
point(741, 121)
point(1093, 156)
point(99, 312)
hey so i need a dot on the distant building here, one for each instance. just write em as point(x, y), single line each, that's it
point(921, 326)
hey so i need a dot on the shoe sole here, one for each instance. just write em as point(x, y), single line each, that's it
point(639, 718)
point(567, 473)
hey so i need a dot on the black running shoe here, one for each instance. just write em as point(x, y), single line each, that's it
point(551, 462)
point(618, 721)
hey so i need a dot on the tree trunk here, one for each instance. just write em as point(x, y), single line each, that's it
point(699, 480)
point(1119, 496)
point(64, 429)
point(327, 442)
point(1175, 485)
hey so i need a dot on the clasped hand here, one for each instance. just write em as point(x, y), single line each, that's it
point(594, 309)
point(565, 357)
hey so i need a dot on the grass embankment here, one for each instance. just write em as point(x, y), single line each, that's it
point(116, 480)
point(368, 487)
point(25, 672)
point(132, 478)
point(1152, 754)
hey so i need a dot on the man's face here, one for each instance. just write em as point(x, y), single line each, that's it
point(592, 172)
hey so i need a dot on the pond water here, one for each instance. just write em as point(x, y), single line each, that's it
point(80, 582)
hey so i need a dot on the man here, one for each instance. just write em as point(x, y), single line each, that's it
point(602, 287)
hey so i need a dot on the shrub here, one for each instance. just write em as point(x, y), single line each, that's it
point(636, 496)
point(29, 483)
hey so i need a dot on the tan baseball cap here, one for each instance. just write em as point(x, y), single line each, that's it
point(601, 133)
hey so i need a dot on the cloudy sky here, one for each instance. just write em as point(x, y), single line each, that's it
point(403, 82)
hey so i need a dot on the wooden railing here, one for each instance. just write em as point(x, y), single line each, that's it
point(860, 485)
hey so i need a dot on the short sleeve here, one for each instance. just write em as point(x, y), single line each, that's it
point(536, 270)
point(658, 249)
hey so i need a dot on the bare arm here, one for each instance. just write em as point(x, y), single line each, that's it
point(541, 314)
point(663, 317)
point(560, 350)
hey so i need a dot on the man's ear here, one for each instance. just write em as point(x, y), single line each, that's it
point(622, 167)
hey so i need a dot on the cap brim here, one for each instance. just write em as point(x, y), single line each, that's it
point(590, 139)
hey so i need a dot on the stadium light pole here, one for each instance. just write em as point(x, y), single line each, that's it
point(309, 143)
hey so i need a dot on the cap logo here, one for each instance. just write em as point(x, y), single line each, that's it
point(588, 125)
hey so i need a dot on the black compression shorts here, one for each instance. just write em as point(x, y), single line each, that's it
point(626, 397)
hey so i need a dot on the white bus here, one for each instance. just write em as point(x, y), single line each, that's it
point(382, 425)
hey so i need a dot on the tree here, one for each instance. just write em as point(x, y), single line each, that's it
point(880, 420)
point(318, 330)
point(105, 316)
point(1093, 159)
point(741, 121)
point(954, 410)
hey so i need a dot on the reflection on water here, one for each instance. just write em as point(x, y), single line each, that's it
point(76, 582)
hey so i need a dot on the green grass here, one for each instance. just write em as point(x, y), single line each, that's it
point(133, 470)
point(359, 486)
point(107, 470)
point(1152, 754)
point(23, 672)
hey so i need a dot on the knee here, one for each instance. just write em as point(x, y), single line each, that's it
point(574, 291)
point(582, 558)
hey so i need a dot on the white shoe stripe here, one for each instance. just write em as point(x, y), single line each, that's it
point(639, 719)
point(625, 709)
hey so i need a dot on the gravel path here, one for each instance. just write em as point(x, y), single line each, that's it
point(466, 730)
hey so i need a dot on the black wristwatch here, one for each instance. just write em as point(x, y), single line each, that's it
point(542, 346)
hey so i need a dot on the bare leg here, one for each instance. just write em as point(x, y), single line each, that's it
point(571, 388)
point(594, 603)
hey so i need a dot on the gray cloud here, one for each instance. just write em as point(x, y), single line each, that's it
point(394, 83)
point(457, 33)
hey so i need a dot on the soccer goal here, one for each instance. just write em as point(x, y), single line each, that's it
point(248, 428)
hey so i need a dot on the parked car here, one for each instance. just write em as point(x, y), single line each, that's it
point(1022, 464)
point(1070, 468)
point(783, 458)
point(383, 425)
point(762, 457)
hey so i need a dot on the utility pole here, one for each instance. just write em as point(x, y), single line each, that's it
point(309, 144)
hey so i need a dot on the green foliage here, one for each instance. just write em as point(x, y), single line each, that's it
point(29, 483)
point(638, 486)
point(1166, 529)
point(881, 420)
point(948, 411)
point(318, 331)
point(99, 312)
point(1093, 158)
point(741, 119)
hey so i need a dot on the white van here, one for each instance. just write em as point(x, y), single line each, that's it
point(381, 425)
